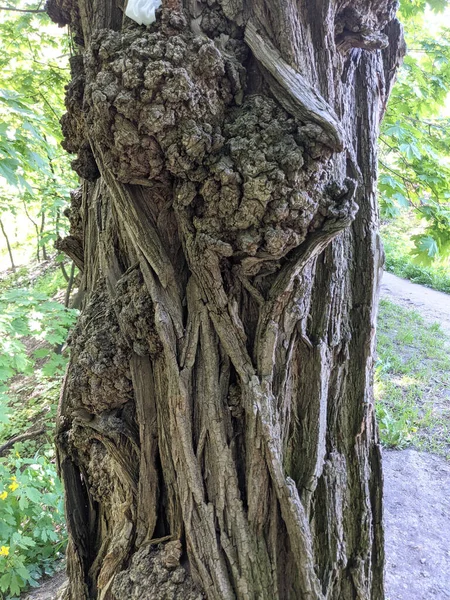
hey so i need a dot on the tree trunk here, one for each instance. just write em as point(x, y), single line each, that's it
point(36, 228)
point(41, 234)
point(8, 245)
point(216, 431)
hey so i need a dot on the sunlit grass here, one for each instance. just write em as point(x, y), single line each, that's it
point(412, 386)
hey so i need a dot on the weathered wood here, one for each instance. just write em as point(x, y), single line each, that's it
point(294, 91)
point(216, 430)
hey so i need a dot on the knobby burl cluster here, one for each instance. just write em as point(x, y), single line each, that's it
point(135, 313)
point(103, 486)
point(101, 346)
point(174, 110)
point(100, 378)
point(156, 574)
point(357, 27)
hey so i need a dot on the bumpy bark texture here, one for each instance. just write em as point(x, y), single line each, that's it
point(216, 433)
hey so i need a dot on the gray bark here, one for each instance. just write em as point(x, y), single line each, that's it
point(216, 431)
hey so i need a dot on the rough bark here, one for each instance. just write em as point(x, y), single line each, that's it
point(216, 433)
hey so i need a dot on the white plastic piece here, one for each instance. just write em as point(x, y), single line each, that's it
point(142, 11)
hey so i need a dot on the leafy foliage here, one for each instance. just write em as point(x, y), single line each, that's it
point(31, 522)
point(27, 314)
point(35, 177)
point(399, 235)
point(415, 139)
point(32, 531)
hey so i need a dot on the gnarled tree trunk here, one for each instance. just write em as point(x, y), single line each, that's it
point(216, 433)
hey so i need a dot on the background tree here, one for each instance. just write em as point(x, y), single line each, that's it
point(415, 138)
point(216, 432)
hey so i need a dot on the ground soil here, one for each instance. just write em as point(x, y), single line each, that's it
point(417, 491)
point(417, 517)
point(49, 590)
point(417, 485)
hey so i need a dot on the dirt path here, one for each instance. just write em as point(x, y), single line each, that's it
point(417, 485)
point(49, 590)
point(432, 305)
point(417, 518)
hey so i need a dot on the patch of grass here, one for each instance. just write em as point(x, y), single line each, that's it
point(396, 235)
point(411, 381)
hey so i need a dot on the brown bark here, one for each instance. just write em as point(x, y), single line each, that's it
point(216, 432)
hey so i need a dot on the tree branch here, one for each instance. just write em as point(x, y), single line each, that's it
point(28, 435)
point(22, 10)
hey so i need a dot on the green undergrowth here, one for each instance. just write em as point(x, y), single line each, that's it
point(411, 381)
point(397, 235)
point(33, 328)
point(45, 277)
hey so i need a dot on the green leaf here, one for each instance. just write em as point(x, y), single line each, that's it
point(410, 150)
point(401, 200)
point(5, 581)
point(395, 131)
point(438, 5)
point(32, 494)
point(14, 585)
point(23, 572)
point(23, 503)
point(41, 353)
point(8, 168)
point(426, 248)
point(25, 541)
point(5, 372)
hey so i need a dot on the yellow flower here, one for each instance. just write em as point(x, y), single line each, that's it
point(4, 551)
point(3, 495)
point(14, 485)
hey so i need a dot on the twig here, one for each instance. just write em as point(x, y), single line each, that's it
point(5, 235)
point(63, 270)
